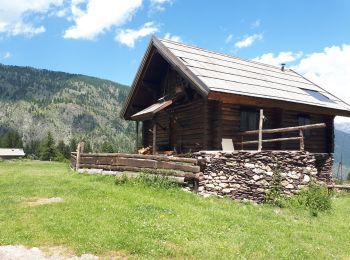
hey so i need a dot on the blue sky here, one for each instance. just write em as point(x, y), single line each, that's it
point(107, 38)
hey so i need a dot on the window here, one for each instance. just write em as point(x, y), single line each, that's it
point(304, 120)
point(317, 95)
point(249, 120)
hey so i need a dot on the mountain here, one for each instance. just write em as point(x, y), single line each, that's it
point(36, 101)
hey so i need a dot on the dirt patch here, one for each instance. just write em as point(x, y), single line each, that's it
point(19, 252)
point(43, 201)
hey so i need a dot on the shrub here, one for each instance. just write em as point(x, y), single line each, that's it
point(123, 179)
point(274, 194)
point(149, 180)
point(316, 199)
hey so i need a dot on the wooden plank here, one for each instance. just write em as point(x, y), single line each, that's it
point(154, 141)
point(78, 157)
point(272, 140)
point(285, 129)
point(261, 118)
point(140, 156)
point(302, 145)
point(180, 167)
point(141, 163)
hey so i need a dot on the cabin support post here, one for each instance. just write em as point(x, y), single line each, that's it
point(261, 118)
point(302, 145)
point(137, 136)
point(154, 131)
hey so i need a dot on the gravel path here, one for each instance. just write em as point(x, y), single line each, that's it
point(19, 252)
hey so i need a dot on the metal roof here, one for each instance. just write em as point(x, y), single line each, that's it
point(11, 152)
point(228, 74)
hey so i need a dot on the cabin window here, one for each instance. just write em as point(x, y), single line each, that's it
point(317, 95)
point(249, 120)
point(304, 120)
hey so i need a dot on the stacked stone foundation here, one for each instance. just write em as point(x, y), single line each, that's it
point(245, 175)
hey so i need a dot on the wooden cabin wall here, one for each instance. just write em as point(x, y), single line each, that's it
point(224, 122)
point(319, 141)
point(182, 127)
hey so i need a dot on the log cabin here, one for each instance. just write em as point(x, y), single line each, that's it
point(189, 99)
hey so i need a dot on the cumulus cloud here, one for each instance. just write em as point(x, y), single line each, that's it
point(256, 24)
point(94, 17)
point(158, 5)
point(174, 38)
point(248, 41)
point(15, 14)
point(282, 57)
point(229, 39)
point(330, 69)
point(128, 37)
point(7, 55)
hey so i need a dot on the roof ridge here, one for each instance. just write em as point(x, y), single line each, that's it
point(221, 54)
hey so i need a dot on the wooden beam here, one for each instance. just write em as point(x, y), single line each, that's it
point(261, 118)
point(302, 145)
point(274, 103)
point(78, 157)
point(154, 144)
point(272, 140)
point(285, 129)
point(137, 136)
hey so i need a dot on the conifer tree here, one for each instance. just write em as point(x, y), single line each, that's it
point(48, 149)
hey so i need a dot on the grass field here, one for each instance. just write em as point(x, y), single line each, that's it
point(132, 220)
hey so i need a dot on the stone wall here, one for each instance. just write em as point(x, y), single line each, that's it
point(246, 175)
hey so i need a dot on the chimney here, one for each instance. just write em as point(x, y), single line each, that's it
point(282, 66)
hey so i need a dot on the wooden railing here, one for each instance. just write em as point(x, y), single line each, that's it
point(261, 131)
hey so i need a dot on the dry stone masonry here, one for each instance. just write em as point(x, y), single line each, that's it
point(247, 175)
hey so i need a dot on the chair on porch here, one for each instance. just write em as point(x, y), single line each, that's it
point(227, 145)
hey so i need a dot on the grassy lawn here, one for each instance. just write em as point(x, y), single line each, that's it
point(102, 218)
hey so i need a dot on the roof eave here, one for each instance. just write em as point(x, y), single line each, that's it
point(274, 103)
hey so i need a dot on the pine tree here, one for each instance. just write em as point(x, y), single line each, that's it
point(73, 145)
point(107, 147)
point(48, 149)
point(87, 147)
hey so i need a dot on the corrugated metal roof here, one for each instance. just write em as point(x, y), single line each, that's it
point(11, 152)
point(228, 74)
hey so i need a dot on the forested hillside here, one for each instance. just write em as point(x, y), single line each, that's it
point(35, 102)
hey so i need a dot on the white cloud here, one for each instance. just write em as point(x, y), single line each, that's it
point(158, 5)
point(7, 55)
point(229, 39)
point(99, 16)
point(277, 60)
point(256, 24)
point(130, 36)
point(248, 41)
point(14, 15)
point(174, 38)
point(330, 69)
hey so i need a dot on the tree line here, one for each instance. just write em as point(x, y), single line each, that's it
point(48, 149)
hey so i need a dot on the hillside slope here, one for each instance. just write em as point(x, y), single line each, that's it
point(35, 101)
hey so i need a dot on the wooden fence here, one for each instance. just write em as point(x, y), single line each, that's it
point(171, 166)
point(260, 132)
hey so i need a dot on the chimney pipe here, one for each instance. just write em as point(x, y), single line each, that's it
point(282, 66)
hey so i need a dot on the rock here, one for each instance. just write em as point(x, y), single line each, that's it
point(200, 188)
point(223, 185)
point(211, 186)
point(290, 186)
point(269, 173)
point(306, 179)
point(226, 191)
point(256, 177)
point(249, 165)
point(284, 183)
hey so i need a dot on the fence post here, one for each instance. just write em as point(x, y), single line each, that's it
point(261, 118)
point(302, 145)
point(80, 149)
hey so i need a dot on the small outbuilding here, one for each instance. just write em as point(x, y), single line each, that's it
point(190, 99)
point(11, 153)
